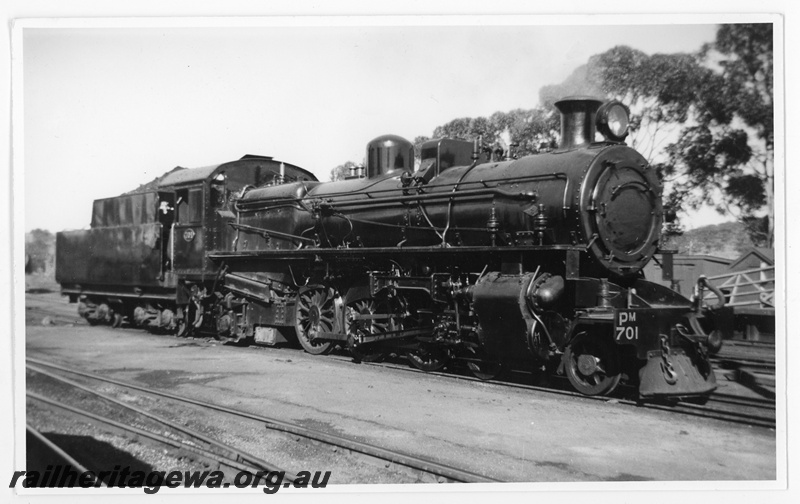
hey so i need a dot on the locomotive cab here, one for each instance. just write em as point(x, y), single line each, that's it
point(188, 231)
point(203, 207)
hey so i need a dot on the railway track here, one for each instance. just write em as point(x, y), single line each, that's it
point(188, 440)
point(732, 362)
point(742, 356)
point(227, 455)
point(204, 454)
point(41, 451)
point(750, 344)
point(735, 409)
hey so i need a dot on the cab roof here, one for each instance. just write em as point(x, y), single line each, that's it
point(186, 176)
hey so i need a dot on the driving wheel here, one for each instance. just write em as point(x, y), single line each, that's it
point(314, 315)
point(365, 326)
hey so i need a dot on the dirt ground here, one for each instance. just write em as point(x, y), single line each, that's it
point(503, 432)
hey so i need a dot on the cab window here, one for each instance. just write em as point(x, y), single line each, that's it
point(190, 205)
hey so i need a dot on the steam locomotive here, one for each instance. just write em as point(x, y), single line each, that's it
point(488, 261)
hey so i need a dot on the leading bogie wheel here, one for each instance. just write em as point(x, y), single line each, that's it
point(592, 365)
point(482, 366)
point(315, 315)
point(428, 357)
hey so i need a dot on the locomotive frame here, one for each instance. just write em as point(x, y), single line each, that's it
point(493, 262)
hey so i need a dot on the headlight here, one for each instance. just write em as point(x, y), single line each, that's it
point(613, 120)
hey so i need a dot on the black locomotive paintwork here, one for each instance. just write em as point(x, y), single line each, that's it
point(482, 261)
point(123, 251)
point(556, 189)
point(142, 248)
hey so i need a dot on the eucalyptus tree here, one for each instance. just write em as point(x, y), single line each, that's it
point(703, 120)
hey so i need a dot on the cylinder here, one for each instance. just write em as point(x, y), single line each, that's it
point(499, 302)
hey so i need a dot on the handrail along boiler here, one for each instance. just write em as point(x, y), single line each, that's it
point(534, 261)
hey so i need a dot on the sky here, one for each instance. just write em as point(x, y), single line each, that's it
point(109, 108)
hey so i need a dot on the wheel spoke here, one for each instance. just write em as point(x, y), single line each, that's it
point(315, 315)
point(357, 327)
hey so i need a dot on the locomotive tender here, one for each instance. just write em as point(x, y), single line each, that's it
point(534, 261)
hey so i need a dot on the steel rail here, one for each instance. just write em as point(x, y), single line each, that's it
point(66, 457)
point(755, 359)
point(239, 454)
point(723, 401)
point(754, 400)
point(681, 407)
point(750, 344)
point(743, 401)
point(736, 363)
point(414, 462)
point(150, 435)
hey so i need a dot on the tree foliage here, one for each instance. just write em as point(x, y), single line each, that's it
point(39, 251)
point(703, 120)
point(342, 171)
point(736, 118)
point(729, 240)
point(660, 90)
point(530, 130)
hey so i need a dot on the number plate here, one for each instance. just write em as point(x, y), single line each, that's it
point(627, 326)
point(641, 326)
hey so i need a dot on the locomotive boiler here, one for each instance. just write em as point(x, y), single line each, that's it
point(489, 262)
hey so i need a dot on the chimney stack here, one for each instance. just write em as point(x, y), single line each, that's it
point(577, 120)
